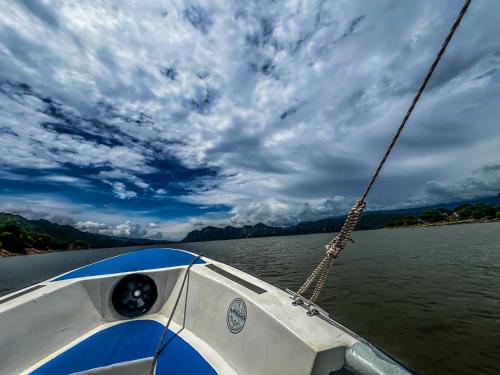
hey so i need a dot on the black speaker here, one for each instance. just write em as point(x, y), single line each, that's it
point(134, 295)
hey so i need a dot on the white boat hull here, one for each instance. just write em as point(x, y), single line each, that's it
point(227, 322)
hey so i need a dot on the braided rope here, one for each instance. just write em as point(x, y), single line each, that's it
point(336, 245)
point(332, 250)
point(340, 241)
point(313, 276)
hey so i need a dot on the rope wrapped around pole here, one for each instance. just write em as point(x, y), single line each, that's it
point(335, 247)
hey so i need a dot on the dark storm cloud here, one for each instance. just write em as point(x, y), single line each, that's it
point(41, 11)
point(484, 182)
point(24, 50)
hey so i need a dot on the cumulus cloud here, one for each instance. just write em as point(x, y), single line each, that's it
point(120, 190)
point(130, 229)
point(123, 175)
point(91, 226)
point(273, 212)
point(484, 182)
point(126, 229)
point(274, 111)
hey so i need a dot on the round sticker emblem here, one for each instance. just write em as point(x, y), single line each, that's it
point(236, 315)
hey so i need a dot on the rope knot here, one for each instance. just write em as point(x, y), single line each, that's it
point(333, 250)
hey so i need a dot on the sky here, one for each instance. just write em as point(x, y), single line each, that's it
point(151, 119)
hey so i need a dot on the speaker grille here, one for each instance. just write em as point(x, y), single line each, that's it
point(134, 295)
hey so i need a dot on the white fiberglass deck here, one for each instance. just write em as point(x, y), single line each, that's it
point(69, 325)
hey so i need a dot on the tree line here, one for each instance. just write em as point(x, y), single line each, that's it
point(463, 212)
point(16, 240)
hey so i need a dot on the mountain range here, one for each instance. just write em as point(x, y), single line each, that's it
point(370, 220)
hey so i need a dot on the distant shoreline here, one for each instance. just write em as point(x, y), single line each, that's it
point(356, 230)
point(31, 251)
point(443, 223)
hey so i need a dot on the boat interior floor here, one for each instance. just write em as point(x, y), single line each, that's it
point(128, 347)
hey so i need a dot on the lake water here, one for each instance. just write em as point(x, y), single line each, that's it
point(429, 296)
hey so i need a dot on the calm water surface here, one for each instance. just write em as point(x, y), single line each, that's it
point(429, 296)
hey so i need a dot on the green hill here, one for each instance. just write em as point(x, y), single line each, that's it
point(18, 235)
